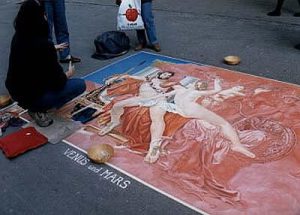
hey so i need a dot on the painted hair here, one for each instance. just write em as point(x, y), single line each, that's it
point(203, 83)
point(30, 20)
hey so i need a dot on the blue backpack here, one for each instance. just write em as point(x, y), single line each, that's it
point(111, 44)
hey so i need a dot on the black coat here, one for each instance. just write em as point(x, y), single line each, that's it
point(33, 69)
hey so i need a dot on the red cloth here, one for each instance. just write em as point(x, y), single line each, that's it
point(21, 141)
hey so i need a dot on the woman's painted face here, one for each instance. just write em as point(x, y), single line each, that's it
point(165, 75)
point(201, 85)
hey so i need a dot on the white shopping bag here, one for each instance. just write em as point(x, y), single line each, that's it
point(129, 15)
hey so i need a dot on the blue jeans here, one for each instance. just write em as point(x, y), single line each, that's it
point(56, 99)
point(150, 30)
point(56, 16)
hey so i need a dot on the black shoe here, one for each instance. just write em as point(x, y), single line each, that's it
point(40, 118)
point(70, 58)
point(156, 47)
point(297, 14)
point(297, 46)
point(274, 13)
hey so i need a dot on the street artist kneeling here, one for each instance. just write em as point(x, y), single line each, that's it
point(35, 79)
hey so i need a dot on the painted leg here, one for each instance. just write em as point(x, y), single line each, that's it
point(236, 145)
point(156, 129)
point(116, 113)
point(108, 128)
point(198, 112)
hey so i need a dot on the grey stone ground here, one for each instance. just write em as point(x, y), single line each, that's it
point(44, 181)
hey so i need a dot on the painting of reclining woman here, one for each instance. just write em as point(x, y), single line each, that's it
point(205, 135)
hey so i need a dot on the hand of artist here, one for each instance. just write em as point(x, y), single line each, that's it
point(61, 46)
point(71, 70)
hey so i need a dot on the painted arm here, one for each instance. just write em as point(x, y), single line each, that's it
point(217, 85)
point(122, 76)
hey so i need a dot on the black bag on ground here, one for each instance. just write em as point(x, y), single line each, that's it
point(111, 44)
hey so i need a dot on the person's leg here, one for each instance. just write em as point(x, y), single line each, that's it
point(48, 4)
point(142, 40)
point(297, 14)
point(148, 19)
point(157, 129)
point(56, 99)
point(277, 11)
point(61, 26)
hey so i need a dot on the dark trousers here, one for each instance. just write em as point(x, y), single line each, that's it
point(56, 99)
point(56, 16)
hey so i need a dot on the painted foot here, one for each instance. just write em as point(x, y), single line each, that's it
point(153, 152)
point(241, 149)
point(108, 128)
point(152, 155)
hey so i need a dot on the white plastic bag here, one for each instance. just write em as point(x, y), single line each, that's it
point(129, 15)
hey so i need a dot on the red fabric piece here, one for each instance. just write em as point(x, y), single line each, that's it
point(21, 141)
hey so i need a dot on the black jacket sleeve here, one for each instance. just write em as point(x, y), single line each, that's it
point(54, 76)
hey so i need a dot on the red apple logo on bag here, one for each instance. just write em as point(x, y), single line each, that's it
point(131, 14)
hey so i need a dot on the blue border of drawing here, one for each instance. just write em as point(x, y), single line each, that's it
point(130, 65)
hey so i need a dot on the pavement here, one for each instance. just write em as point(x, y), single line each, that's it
point(46, 181)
